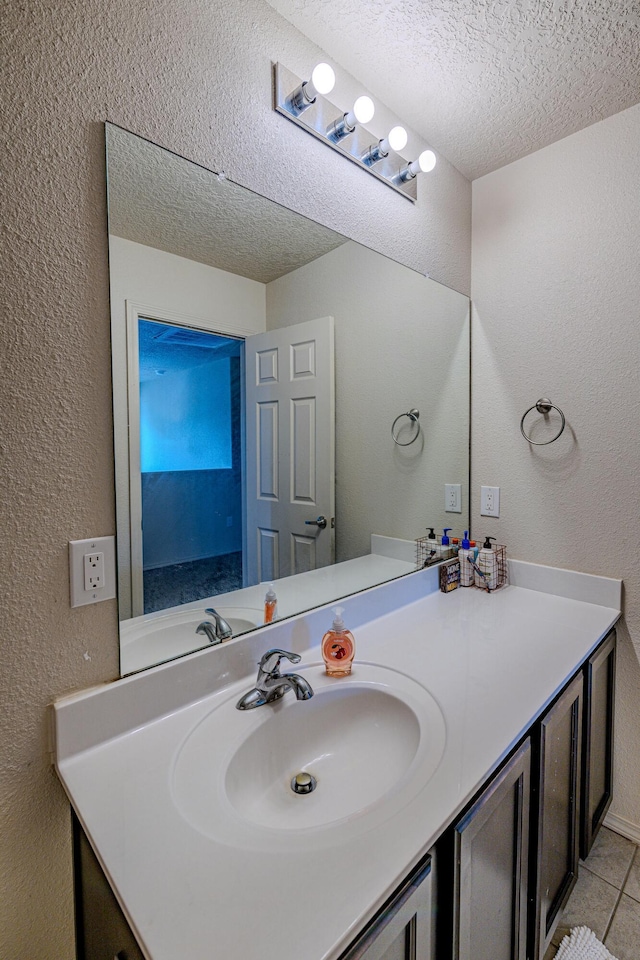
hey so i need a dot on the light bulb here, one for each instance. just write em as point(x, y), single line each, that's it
point(322, 81)
point(364, 109)
point(361, 112)
point(397, 138)
point(323, 78)
point(427, 160)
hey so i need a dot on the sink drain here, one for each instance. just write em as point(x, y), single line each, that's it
point(303, 783)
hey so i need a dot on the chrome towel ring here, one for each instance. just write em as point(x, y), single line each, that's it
point(414, 416)
point(543, 406)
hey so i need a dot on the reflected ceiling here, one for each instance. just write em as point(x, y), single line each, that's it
point(156, 199)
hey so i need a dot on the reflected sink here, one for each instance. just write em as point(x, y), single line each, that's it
point(372, 741)
point(157, 638)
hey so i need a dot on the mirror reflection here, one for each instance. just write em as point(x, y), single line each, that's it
point(260, 361)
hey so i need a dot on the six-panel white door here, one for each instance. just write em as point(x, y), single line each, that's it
point(290, 450)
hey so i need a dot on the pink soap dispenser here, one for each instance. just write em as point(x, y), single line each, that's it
point(338, 647)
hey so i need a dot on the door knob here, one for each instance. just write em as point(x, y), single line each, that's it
point(320, 522)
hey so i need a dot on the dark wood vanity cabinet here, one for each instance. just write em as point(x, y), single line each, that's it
point(545, 805)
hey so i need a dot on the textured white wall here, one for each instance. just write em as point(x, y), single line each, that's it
point(556, 288)
point(392, 327)
point(195, 77)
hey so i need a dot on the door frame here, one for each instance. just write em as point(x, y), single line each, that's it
point(134, 312)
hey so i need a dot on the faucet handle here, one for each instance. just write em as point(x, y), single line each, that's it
point(271, 660)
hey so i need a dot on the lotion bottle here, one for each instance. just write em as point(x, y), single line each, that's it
point(433, 547)
point(338, 647)
point(488, 565)
point(270, 605)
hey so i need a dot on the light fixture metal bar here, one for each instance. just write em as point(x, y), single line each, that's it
point(320, 115)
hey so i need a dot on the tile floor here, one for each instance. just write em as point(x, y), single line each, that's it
point(606, 897)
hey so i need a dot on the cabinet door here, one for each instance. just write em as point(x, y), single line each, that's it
point(597, 752)
point(557, 793)
point(102, 932)
point(491, 867)
point(402, 931)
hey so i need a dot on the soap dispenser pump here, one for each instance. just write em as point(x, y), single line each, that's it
point(445, 547)
point(338, 647)
point(467, 558)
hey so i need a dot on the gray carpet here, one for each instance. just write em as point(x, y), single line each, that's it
point(170, 586)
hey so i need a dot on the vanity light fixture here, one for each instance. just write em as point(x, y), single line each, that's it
point(396, 140)
point(305, 103)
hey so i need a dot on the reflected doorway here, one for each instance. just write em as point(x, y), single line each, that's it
point(191, 463)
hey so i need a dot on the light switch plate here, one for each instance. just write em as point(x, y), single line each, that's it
point(92, 570)
point(489, 501)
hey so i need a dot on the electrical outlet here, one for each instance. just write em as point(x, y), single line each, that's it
point(453, 497)
point(229, 521)
point(489, 501)
point(92, 570)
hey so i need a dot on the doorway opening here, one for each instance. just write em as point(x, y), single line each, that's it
point(191, 463)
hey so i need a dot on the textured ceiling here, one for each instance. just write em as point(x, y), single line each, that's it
point(164, 201)
point(484, 82)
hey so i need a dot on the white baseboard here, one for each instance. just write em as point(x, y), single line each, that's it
point(624, 827)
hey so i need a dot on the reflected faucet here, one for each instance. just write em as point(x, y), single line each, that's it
point(222, 628)
point(272, 685)
point(207, 628)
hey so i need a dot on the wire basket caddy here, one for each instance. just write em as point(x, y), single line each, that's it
point(426, 552)
point(496, 571)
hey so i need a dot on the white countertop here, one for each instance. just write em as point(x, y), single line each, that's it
point(492, 662)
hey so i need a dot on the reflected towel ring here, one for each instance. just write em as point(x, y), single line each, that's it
point(414, 416)
point(543, 406)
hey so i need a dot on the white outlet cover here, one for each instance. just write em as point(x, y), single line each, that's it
point(78, 549)
point(453, 497)
point(489, 501)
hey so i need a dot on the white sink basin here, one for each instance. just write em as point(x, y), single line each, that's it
point(372, 741)
point(156, 638)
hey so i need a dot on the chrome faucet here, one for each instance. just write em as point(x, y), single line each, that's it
point(272, 685)
point(221, 628)
point(217, 631)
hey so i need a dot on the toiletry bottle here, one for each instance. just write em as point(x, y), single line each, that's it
point(488, 565)
point(270, 605)
point(445, 547)
point(432, 547)
point(465, 556)
point(338, 647)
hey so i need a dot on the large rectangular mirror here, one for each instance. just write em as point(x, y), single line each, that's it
point(267, 374)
